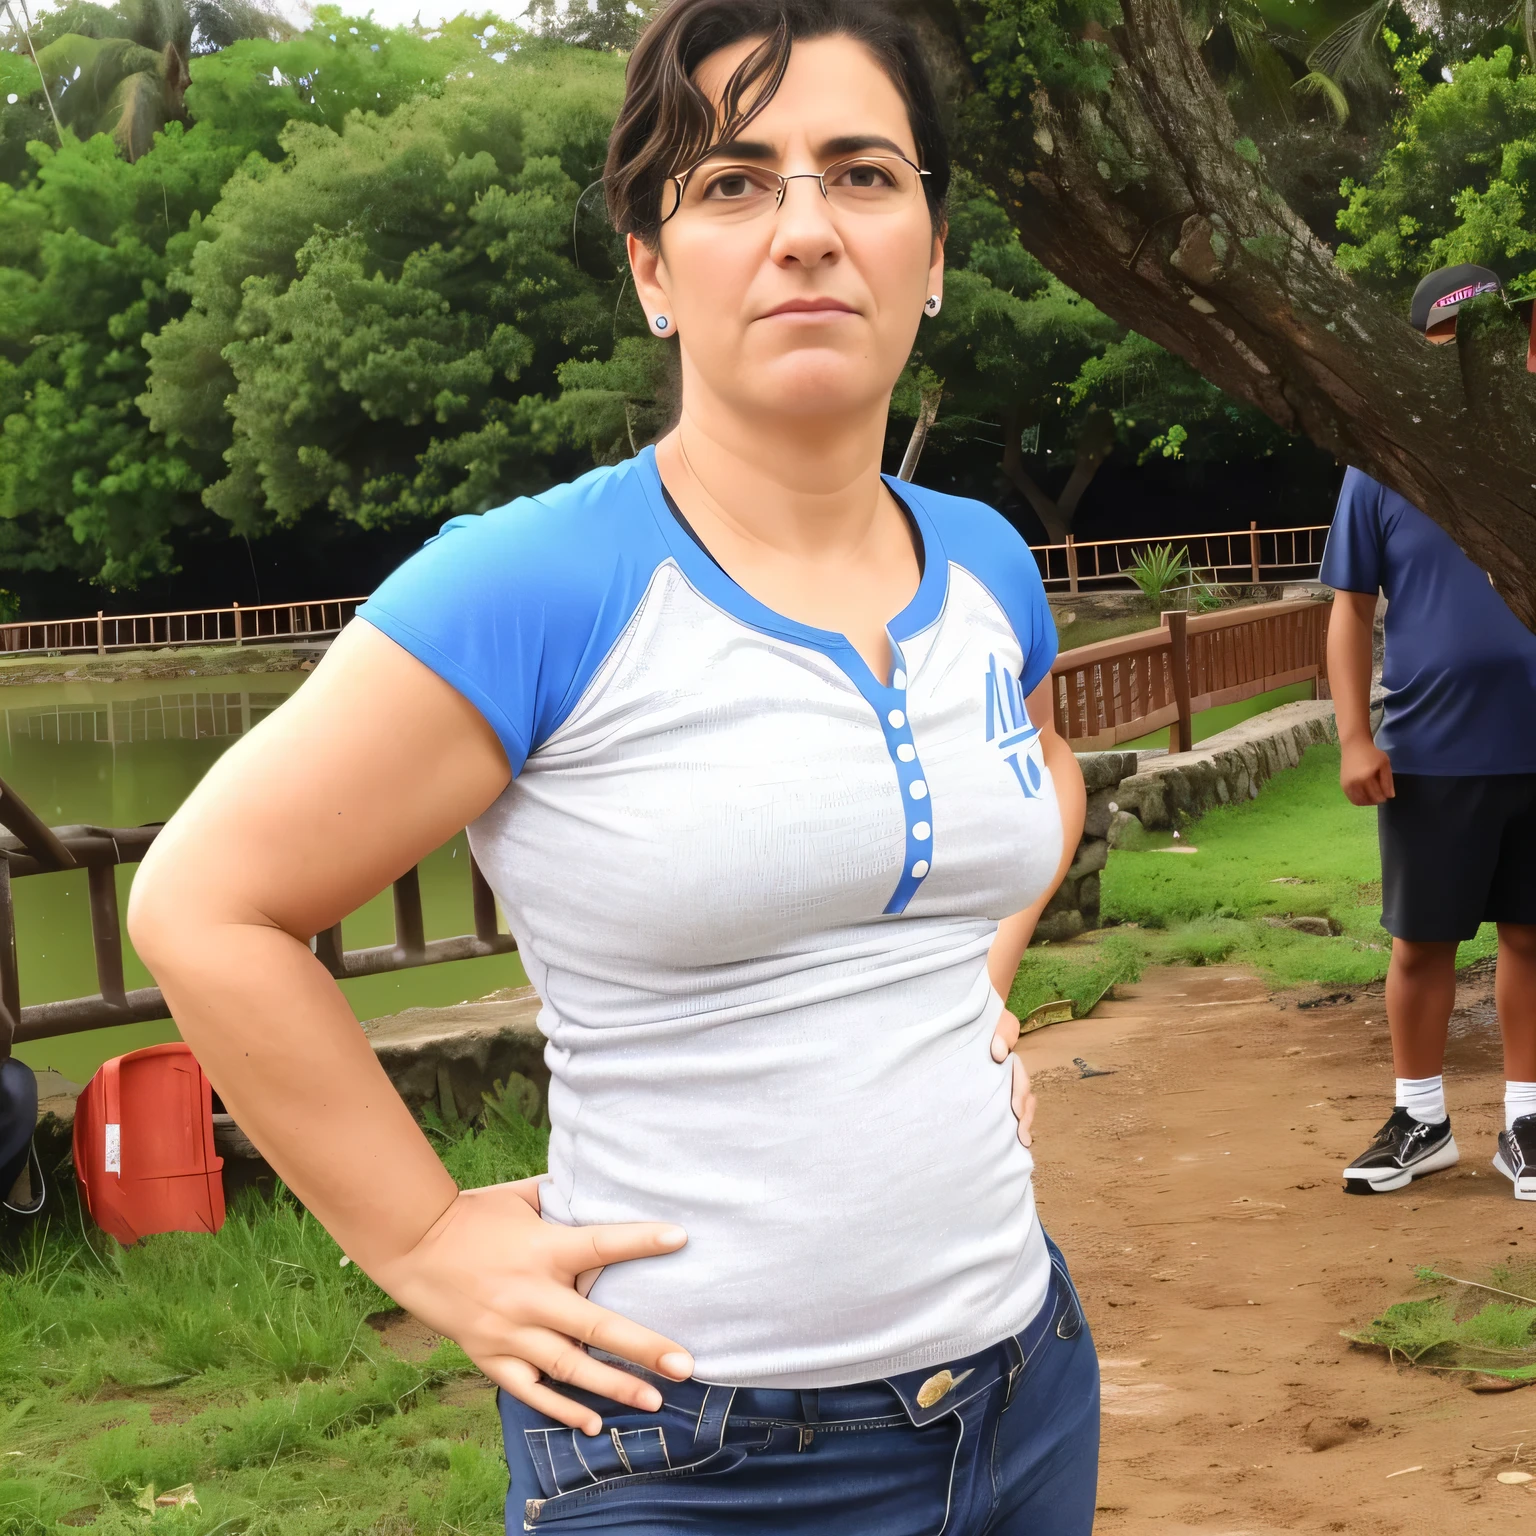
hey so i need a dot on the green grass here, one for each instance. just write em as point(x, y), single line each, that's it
point(1083, 631)
point(1081, 972)
point(1211, 722)
point(1210, 907)
point(241, 1363)
point(1489, 1328)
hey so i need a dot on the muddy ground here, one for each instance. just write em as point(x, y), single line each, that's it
point(1196, 1194)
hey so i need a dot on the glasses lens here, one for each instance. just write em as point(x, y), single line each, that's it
point(870, 185)
point(730, 191)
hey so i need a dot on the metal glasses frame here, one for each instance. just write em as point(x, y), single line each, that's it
point(819, 177)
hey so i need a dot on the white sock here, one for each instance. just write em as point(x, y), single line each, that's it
point(1519, 1099)
point(1423, 1098)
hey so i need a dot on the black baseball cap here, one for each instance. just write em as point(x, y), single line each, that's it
point(1444, 291)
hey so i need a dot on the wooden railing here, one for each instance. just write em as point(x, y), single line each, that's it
point(1255, 555)
point(29, 847)
point(1251, 555)
point(1122, 689)
point(270, 623)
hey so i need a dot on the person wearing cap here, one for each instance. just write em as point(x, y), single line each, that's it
point(1452, 772)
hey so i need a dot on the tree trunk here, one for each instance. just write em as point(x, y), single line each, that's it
point(1056, 526)
point(1095, 443)
point(1149, 202)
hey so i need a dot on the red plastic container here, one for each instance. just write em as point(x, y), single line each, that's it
point(143, 1141)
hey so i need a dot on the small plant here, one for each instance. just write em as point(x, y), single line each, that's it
point(1206, 593)
point(1160, 570)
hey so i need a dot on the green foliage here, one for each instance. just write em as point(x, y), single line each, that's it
point(1158, 571)
point(617, 406)
point(250, 92)
point(1080, 973)
point(1020, 45)
point(1300, 849)
point(607, 25)
point(87, 252)
point(1458, 185)
point(1463, 1329)
point(1161, 406)
point(241, 1362)
point(373, 322)
point(412, 293)
point(122, 70)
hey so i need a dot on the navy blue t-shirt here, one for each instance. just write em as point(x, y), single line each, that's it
point(1460, 669)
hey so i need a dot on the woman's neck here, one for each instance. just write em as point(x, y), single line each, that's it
point(808, 491)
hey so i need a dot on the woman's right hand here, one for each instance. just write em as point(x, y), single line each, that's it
point(500, 1281)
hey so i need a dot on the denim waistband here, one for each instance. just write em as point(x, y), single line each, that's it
point(917, 1397)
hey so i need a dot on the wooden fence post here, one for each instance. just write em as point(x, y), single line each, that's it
point(1181, 737)
point(238, 634)
point(1253, 549)
point(1071, 566)
point(101, 635)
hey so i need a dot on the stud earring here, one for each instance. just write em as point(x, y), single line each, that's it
point(934, 304)
point(662, 324)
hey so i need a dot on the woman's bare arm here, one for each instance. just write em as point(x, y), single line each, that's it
point(374, 763)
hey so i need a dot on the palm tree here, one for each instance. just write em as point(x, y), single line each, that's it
point(122, 69)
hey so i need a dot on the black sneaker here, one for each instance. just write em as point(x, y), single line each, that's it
point(1516, 1157)
point(1406, 1149)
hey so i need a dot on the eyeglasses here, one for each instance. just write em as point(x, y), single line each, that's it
point(731, 194)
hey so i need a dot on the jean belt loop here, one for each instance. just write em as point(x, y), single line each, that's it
point(714, 1415)
point(810, 1405)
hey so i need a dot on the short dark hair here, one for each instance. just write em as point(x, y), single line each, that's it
point(667, 124)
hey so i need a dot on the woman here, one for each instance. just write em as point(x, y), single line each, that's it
point(760, 842)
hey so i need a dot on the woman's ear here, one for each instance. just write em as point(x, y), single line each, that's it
point(649, 273)
point(936, 263)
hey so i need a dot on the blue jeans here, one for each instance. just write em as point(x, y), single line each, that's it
point(1011, 1448)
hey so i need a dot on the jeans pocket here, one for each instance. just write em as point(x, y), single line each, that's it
point(625, 1489)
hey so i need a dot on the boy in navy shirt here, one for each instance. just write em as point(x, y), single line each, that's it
point(1452, 771)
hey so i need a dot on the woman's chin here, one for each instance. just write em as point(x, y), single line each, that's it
point(824, 389)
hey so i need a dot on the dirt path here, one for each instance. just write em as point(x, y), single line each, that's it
point(1196, 1195)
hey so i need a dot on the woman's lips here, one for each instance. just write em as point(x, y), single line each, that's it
point(810, 309)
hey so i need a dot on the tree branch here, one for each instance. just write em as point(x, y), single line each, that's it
point(1151, 204)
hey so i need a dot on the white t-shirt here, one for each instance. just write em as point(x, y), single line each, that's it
point(755, 887)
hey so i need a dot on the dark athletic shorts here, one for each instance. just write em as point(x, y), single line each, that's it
point(1456, 852)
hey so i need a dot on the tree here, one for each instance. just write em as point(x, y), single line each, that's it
point(375, 323)
point(1014, 351)
point(1120, 163)
point(123, 70)
point(608, 25)
point(97, 256)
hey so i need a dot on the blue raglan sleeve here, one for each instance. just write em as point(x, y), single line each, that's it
point(983, 541)
point(1352, 560)
point(517, 608)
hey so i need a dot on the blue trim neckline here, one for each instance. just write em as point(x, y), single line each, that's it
point(888, 701)
point(926, 605)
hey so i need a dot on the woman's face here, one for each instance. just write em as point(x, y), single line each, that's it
point(809, 311)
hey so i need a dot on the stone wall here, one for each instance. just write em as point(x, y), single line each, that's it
point(1174, 788)
point(1133, 791)
point(1076, 905)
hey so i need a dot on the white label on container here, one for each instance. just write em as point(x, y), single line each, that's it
point(114, 1149)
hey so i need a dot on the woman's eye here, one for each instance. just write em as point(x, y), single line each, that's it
point(864, 177)
point(733, 187)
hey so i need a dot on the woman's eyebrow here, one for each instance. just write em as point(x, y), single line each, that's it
point(846, 144)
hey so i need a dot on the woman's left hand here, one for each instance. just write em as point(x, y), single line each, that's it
point(1003, 1042)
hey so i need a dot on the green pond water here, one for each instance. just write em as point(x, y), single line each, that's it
point(124, 753)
